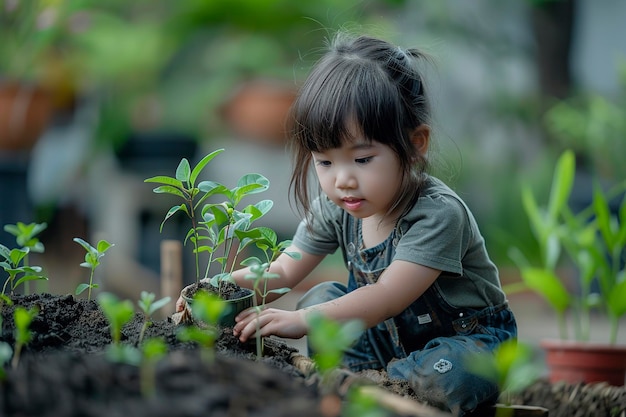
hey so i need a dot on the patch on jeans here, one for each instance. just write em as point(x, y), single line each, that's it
point(424, 318)
point(442, 366)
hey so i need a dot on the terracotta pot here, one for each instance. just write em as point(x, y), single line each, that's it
point(234, 306)
point(258, 110)
point(25, 111)
point(575, 362)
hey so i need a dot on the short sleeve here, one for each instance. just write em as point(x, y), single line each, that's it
point(438, 234)
point(320, 234)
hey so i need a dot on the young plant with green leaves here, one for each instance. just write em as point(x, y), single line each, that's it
point(118, 313)
point(593, 240)
point(92, 261)
point(228, 228)
point(26, 238)
point(149, 306)
point(512, 367)
point(185, 186)
point(152, 351)
point(23, 318)
point(11, 261)
point(222, 229)
point(267, 241)
point(208, 308)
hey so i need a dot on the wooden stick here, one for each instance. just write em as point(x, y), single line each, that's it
point(171, 272)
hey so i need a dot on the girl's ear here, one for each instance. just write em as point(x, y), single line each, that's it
point(420, 138)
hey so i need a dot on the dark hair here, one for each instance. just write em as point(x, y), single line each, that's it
point(373, 84)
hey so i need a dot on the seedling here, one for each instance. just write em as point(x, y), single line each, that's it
point(92, 260)
point(118, 313)
point(193, 194)
point(18, 273)
point(148, 306)
point(329, 339)
point(208, 308)
point(153, 350)
point(215, 227)
point(511, 367)
point(23, 335)
point(26, 238)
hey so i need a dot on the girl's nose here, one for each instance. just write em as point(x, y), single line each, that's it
point(345, 179)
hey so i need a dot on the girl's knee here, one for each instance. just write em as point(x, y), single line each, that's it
point(438, 375)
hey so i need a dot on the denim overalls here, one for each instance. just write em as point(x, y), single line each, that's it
point(428, 342)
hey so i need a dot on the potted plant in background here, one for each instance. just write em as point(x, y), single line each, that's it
point(593, 241)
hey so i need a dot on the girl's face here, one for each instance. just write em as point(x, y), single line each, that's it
point(362, 177)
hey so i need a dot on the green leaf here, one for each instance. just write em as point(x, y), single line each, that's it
point(85, 245)
point(168, 189)
point(562, 183)
point(616, 300)
point(81, 288)
point(548, 285)
point(103, 246)
point(202, 163)
point(162, 179)
point(183, 172)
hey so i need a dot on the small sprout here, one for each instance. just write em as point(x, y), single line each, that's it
point(92, 260)
point(510, 366)
point(208, 308)
point(23, 335)
point(25, 235)
point(26, 238)
point(19, 273)
point(118, 313)
point(148, 306)
point(153, 350)
point(329, 339)
point(259, 274)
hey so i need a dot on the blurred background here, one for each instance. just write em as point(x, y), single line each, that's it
point(97, 96)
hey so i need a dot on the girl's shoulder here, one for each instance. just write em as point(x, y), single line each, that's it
point(438, 200)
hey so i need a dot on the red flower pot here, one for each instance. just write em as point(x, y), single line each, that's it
point(575, 362)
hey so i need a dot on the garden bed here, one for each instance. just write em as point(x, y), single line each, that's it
point(63, 371)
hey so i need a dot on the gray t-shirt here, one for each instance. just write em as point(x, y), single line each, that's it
point(439, 232)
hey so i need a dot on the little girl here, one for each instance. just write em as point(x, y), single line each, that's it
point(420, 278)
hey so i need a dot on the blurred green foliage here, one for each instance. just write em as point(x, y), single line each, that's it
point(155, 64)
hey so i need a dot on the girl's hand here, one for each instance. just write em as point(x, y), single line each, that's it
point(282, 323)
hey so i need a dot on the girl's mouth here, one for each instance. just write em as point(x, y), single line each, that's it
point(353, 203)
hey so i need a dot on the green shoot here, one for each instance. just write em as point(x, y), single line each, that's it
point(207, 309)
point(92, 260)
point(184, 186)
point(148, 306)
point(511, 367)
point(153, 350)
point(118, 313)
point(23, 335)
point(18, 273)
point(329, 339)
point(25, 237)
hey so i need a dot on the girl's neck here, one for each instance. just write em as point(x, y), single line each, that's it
point(375, 230)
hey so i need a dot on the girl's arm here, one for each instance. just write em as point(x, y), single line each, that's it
point(291, 271)
point(402, 283)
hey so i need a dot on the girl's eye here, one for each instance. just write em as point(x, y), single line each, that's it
point(323, 163)
point(363, 160)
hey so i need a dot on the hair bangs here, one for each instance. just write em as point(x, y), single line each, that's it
point(344, 93)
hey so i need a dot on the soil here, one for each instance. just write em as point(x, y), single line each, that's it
point(64, 371)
